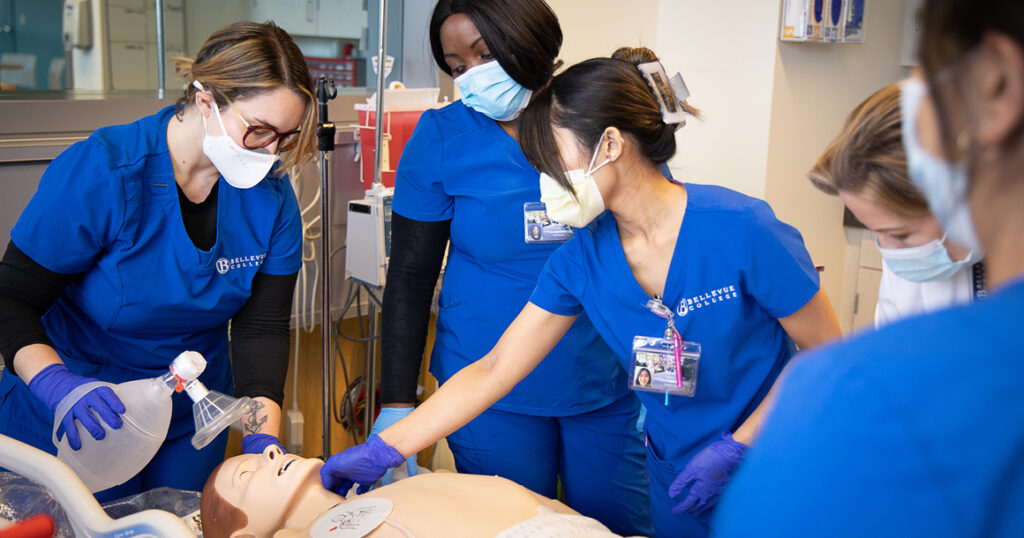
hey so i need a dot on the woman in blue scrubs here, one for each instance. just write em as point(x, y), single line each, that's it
point(463, 179)
point(146, 239)
point(732, 277)
point(918, 429)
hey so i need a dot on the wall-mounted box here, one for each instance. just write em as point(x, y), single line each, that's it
point(823, 21)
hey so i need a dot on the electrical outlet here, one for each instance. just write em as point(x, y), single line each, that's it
point(293, 424)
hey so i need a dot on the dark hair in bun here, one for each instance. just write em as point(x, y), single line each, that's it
point(588, 98)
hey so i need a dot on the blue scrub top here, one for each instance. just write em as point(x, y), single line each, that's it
point(108, 207)
point(735, 270)
point(914, 430)
point(461, 166)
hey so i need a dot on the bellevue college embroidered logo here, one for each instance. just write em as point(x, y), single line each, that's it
point(706, 299)
point(227, 264)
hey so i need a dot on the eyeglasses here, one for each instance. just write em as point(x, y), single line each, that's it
point(261, 136)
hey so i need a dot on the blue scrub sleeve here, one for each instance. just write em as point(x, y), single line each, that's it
point(779, 273)
point(76, 212)
point(419, 183)
point(285, 254)
point(562, 281)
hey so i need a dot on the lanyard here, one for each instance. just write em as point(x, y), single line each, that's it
point(671, 333)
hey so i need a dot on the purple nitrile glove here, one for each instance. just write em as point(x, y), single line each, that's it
point(709, 472)
point(362, 464)
point(55, 382)
point(256, 443)
point(387, 417)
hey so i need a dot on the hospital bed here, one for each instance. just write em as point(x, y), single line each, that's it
point(86, 516)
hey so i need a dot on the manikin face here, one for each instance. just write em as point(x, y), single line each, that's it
point(265, 486)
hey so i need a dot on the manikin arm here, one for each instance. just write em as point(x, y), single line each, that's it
point(526, 342)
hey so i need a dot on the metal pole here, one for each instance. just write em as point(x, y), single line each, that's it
point(370, 373)
point(378, 176)
point(325, 91)
point(325, 298)
point(371, 367)
point(160, 53)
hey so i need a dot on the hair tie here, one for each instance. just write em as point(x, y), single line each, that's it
point(669, 92)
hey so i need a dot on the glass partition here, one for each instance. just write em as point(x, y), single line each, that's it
point(108, 48)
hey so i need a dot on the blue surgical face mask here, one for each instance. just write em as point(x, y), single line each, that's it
point(929, 262)
point(489, 90)
point(944, 185)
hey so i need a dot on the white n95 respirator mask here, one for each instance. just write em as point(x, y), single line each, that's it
point(242, 168)
point(560, 204)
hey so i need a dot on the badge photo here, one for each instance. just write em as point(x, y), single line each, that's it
point(541, 229)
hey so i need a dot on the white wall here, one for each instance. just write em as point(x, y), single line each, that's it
point(815, 87)
point(593, 28)
point(203, 17)
point(770, 107)
point(725, 50)
point(419, 70)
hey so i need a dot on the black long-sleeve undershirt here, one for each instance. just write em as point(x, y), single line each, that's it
point(417, 251)
point(259, 331)
point(27, 290)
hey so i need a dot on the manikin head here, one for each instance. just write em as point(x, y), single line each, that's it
point(258, 494)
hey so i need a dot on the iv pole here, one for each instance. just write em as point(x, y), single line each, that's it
point(160, 53)
point(378, 180)
point(325, 91)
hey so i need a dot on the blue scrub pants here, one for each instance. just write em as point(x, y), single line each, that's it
point(599, 456)
point(177, 465)
point(666, 524)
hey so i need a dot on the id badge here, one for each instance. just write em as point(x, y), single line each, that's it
point(654, 366)
point(540, 229)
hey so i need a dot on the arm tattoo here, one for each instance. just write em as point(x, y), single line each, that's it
point(252, 422)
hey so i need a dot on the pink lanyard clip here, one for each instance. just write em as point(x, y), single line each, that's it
point(655, 305)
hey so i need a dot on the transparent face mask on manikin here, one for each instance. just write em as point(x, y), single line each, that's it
point(929, 262)
point(489, 90)
point(242, 168)
point(588, 203)
point(944, 185)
